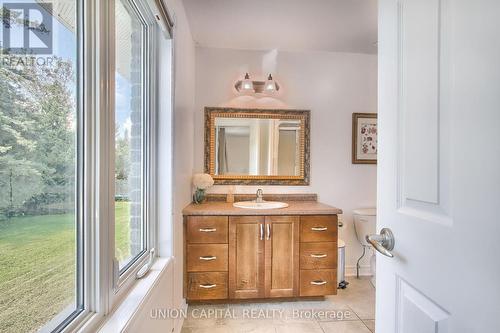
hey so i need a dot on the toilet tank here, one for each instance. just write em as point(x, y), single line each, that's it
point(365, 223)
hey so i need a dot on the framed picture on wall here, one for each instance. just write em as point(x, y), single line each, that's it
point(364, 138)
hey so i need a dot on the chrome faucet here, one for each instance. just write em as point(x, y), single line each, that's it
point(260, 195)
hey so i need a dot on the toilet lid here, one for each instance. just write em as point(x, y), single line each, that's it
point(341, 243)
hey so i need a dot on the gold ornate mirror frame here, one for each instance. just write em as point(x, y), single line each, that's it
point(304, 141)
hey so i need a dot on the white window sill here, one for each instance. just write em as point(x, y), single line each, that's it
point(118, 320)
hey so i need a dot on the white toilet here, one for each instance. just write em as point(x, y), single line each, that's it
point(365, 224)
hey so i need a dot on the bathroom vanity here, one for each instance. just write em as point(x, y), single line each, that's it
point(259, 249)
point(234, 253)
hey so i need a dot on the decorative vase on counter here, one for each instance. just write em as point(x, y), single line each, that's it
point(201, 182)
point(199, 196)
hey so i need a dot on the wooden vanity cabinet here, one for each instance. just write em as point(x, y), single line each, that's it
point(206, 257)
point(263, 256)
point(282, 256)
point(318, 255)
point(249, 257)
point(246, 257)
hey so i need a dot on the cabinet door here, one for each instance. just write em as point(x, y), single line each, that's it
point(282, 256)
point(246, 257)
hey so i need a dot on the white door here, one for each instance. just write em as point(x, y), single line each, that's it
point(439, 166)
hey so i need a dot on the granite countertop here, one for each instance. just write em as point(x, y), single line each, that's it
point(294, 208)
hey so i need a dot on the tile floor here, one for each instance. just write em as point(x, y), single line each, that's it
point(351, 311)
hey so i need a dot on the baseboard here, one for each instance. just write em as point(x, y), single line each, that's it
point(364, 270)
point(180, 320)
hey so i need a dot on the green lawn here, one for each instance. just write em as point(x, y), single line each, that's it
point(122, 231)
point(37, 267)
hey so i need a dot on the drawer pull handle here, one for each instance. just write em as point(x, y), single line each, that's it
point(319, 255)
point(208, 286)
point(208, 229)
point(318, 283)
point(208, 258)
point(319, 228)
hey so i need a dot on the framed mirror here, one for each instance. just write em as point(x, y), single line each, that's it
point(257, 146)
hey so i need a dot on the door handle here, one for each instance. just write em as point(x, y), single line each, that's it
point(261, 231)
point(268, 233)
point(383, 243)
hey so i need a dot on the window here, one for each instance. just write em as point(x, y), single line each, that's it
point(62, 159)
point(40, 166)
point(131, 158)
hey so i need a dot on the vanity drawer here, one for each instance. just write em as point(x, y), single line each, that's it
point(318, 282)
point(321, 228)
point(207, 229)
point(318, 255)
point(211, 285)
point(207, 257)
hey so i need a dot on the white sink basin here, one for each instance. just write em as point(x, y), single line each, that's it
point(260, 205)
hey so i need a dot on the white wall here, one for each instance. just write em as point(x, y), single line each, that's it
point(171, 241)
point(332, 86)
point(184, 57)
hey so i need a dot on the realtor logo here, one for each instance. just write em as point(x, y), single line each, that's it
point(27, 28)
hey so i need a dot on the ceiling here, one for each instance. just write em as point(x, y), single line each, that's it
point(294, 25)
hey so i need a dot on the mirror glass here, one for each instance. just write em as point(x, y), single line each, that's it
point(258, 147)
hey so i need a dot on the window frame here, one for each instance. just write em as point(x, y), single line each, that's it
point(90, 80)
point(60, 322)
point(99, 286)
point(122, 279)
point(145, 125)
point(105, 288)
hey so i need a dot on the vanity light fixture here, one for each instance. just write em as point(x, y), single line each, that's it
point(270, 86)
point(247, 86)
